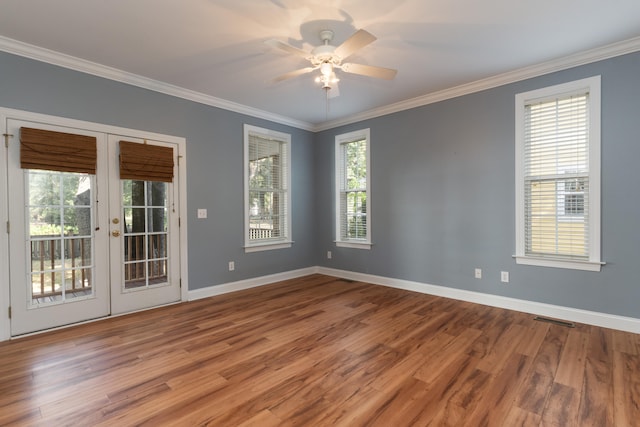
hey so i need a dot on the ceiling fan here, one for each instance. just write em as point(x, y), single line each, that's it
point(327, 58)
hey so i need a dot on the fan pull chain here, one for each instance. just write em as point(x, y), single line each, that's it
point(326, 97)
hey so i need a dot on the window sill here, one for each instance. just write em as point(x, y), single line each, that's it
point(267, 246)
point(556, 263)
point(353, 244)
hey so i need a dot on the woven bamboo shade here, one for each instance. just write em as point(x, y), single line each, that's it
point(146, 162)
point(57, 151)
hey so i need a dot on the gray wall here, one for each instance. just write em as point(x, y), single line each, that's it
point(442, 184)
point(443, 196)
point(214, 154)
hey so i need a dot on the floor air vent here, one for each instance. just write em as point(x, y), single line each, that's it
point(555, 321)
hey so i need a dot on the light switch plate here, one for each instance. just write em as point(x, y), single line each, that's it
point(202, 213)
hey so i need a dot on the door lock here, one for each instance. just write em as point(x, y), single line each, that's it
point(115, 220)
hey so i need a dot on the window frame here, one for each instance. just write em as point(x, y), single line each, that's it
point(285, 241)
point(340, 140)
point(591, 85)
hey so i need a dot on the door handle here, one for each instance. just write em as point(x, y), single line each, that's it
point(115, 233)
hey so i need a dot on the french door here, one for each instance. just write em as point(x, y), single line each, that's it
point(87, 245)
point(143, 228)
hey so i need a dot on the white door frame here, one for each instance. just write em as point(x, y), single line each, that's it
point(5, 325)
point(8, 113)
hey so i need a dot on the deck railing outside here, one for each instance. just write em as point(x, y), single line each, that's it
point(46, 258)
point(46, 264)
point(260, 233)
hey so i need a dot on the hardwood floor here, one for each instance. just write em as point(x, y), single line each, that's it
point(320, 351)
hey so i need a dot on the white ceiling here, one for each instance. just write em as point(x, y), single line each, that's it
point(216, 47)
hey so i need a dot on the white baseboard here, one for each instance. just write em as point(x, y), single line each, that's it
point(628, 324)
point(214, 290)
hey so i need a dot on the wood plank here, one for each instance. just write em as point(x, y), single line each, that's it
point(626, 343)
point(570, 370)
point(505, 345)
point(440, 360)
point(536, 388)
point(462, 397)
point(520, 417)
point(262, 419)
point(535, 336)
point(562, 406)
point(498, 395)
point(626, 388)
point(596, 403)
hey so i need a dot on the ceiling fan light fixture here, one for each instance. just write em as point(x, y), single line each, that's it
point(327, 58)
point(326, 69)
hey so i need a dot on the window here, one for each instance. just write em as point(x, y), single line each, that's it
point(353, 190)
point(558, 176)
point(267, 183)
point(571, 199)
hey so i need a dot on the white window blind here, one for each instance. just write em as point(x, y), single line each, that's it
point(352, 188)
point(267, 176)
point(557, 177)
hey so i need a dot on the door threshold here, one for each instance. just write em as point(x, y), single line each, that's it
point(84, 322)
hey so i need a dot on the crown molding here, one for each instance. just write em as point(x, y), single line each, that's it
point(564, 63)
point(67, 61)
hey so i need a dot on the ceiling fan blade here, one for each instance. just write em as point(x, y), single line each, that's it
point(277, 44)
point(292, 74)
point(369, 70)
point(357, 41)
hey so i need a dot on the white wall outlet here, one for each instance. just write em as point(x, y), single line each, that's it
point(504, 276)
point(232, 265)
point(478, 273)
point(328, 254)
point(202, 213)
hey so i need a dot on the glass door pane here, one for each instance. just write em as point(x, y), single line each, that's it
point(145, 234)
point(60, 235)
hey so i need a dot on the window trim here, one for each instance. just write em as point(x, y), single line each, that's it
point(285, 241)
point(339, 140)
point(592, 85)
